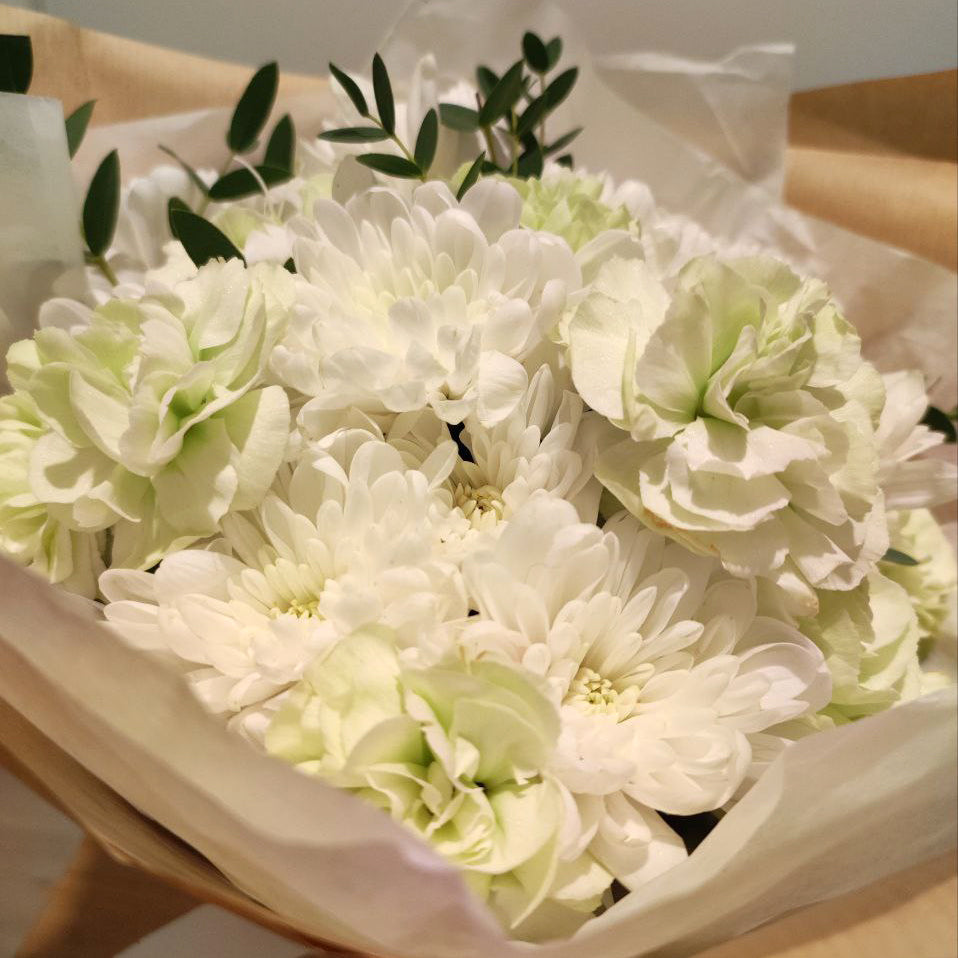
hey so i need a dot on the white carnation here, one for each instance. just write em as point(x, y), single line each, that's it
point(751, 414)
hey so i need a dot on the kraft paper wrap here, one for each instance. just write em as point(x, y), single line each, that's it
point(889, 781)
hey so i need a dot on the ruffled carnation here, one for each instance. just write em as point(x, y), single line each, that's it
point(156, 421)
point(455, 752)
point(869, 636)
point(33, 533)
point(932, 583)
point(751, 414)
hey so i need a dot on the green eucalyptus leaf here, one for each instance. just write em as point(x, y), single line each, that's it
point(172, 204)
point(383, 90)
point(529, 164)
point(195, 178)
point(503, 96)
point(554, 51)
point(201, 239)
point(534, 50)
point(253, 109)
point(940, 421)
point(472, 175)
point(281, 147)
point(486, 80)
point(76, 124)
point(566, 160)
point(390, 165)
point(533, 114)
point(899, 558)
point(488, 168)
point(562, 142)
point(352, 89)
point(355, 134)
point(242, 182)
point(289, 265)
point(16, 63)
point(425, 151)
point(559, 88)
point(457, 117)
point(102, 204)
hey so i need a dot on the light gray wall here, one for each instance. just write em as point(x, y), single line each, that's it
point(839, 41)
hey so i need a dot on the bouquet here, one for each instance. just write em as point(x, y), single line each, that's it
point(535, 527)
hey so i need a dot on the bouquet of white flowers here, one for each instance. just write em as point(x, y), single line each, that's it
point(488, 495)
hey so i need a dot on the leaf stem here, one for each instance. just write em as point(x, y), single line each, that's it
point(104, 267)
point(201, 209)
point(487, 136)
point(402, 146)
point(542, 122)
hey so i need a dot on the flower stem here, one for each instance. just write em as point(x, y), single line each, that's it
point(201, 209)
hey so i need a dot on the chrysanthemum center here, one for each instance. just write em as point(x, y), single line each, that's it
point(301, 608)
point(482, 506)
point(593, 693)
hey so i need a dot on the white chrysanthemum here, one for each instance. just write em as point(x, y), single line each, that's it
point(545, 444)
point(31, 532)
point(428, 301)
point(156, 419)
point(347, 540)
point(907, 482)
point(752, 419)
point(657, 660)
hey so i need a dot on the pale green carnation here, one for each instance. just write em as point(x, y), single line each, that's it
point(750, 415)
point(33, 533)
point(454, 752)
point(571, 205)
point(156, 422)
point(869, 637)
point(932, 584)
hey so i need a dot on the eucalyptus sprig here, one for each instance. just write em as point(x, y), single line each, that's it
point(243, 136)
point(413, 164)
point(514, 106)
point(509, 106)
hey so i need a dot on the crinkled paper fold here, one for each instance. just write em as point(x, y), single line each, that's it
point(836, 811)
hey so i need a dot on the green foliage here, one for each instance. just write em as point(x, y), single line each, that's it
point(253, 109)
point(101, 206)
point(425, 151)
point(941, 422)
point(899, 558)
point(351, 88)
point(76, 124)
point(391, 165)
point(200, 238)
point(383, 91)
point(355, 134)
point(16, 63)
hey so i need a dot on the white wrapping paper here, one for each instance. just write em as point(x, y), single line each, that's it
point(836, 811)
point(40, 241)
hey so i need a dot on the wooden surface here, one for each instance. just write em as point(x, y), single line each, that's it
point(877, 157)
